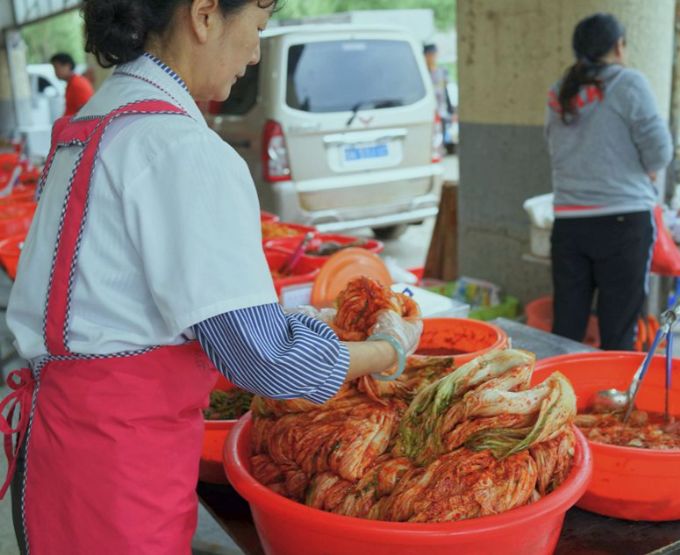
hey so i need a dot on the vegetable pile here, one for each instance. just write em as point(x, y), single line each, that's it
point(228, 405)
point(437, 444)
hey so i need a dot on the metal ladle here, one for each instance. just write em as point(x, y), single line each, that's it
point(614, 399)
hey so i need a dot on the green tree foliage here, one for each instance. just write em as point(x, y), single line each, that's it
point(62, 33)
point(444, 10)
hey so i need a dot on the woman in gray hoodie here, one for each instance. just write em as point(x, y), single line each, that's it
point(607, 142)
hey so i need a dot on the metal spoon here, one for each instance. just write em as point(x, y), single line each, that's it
point(614, 399)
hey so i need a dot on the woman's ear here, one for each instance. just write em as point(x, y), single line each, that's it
point(203, 15)
point(620, 49)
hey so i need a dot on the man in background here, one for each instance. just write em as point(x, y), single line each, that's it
point(440, 80)
point(78, 89)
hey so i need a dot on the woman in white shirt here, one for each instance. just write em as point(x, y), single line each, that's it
point(147, 235)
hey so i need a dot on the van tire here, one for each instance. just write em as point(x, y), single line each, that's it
point(390, 232)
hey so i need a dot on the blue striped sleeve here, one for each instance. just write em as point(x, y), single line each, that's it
point(276, 355)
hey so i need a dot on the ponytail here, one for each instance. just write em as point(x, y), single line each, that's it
point(582, 73)
point(593, 38)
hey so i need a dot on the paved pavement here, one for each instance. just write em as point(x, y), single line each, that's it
point(410, 249)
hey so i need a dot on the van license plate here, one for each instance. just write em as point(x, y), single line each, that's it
point(355, 153)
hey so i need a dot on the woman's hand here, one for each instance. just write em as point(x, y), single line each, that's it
point(652, 176)
point(406, 331)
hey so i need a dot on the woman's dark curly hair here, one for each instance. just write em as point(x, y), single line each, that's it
point(593, 38)
point(116, 31)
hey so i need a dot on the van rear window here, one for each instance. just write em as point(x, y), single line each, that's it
point(340, 76)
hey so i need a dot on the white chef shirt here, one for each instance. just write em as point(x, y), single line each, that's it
point(172, 236)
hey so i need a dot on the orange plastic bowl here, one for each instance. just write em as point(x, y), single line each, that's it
point(211, 467)
point(289, 528)
point(10, 250)
point(463, 338)
point(540, 316)
point(628, 483)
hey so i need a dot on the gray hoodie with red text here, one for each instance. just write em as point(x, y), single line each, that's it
point(602, 160)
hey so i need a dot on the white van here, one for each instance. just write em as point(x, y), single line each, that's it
point(338, 126)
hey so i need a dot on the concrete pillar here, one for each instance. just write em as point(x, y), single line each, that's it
point(509, 53)
point(15, 90)
point(7, 118)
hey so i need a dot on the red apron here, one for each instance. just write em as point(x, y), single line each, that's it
point(112, 442)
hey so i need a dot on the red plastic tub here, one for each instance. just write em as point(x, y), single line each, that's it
point(30, 176)
point(303, 272)
point(459, 337)
point(211, 466)
point(10, 250)
point(8, 161)
point(289, 528)
point(286, 229)
point(268, 217)
point(628, 483)
point(289, 244)
point(15, 218)
point(21, 194)
point(540, 316)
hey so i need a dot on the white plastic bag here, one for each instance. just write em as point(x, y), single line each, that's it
point(540, 210)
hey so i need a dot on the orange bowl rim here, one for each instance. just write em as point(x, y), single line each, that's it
point(673, 455)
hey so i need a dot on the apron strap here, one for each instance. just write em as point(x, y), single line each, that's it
point(89, 133)
point(21, 382)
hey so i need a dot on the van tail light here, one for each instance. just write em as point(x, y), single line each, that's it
point(275, 161)
point(437, 139)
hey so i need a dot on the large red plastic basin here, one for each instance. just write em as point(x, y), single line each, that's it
point(471, 338)
point(628, 483)
point(211, 466)
point(289, 528)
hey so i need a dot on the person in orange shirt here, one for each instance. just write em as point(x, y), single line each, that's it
point(78, 89)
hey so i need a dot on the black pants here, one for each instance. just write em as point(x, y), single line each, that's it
point(610, 254)
point(16, 488)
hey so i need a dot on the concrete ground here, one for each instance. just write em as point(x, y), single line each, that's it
point(409, 251)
